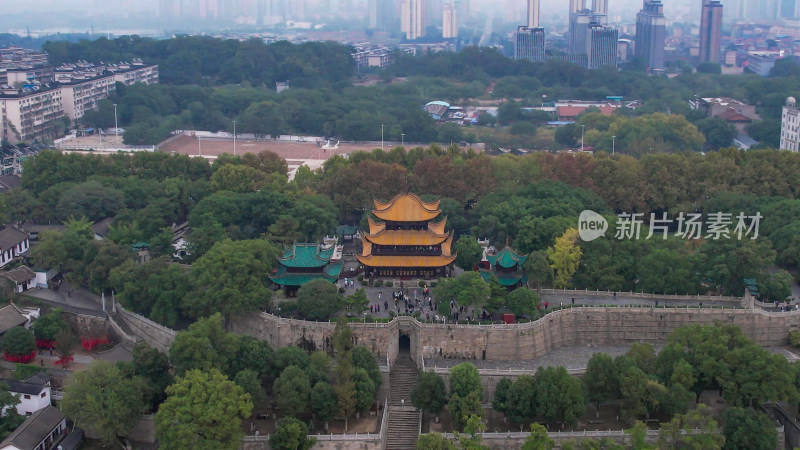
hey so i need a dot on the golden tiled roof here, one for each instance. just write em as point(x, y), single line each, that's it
point(406, 237)
point(447, 246)
point(438, 227)
point(375, 227)
point(405, 261)
point(406, 208)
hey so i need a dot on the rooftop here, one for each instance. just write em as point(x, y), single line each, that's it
point(35, 429)
point(10, 236)
point(10, 317)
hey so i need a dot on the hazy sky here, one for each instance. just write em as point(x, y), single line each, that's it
point(16, 6)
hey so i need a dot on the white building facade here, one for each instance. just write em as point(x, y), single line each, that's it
point(790, 123)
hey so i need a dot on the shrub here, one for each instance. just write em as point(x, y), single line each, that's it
point(341, 290)
point(421, 283)
point(794, 338)
point(389, 284)
point(433, 284)
point(379, 283)
point(360, 277)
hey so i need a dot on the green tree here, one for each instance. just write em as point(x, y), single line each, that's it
point(638, 434)
point(153, 367)
point(753, 375)
point(18, 341)
point(203, 410)
point(472, 439)
point(434, 441)
point(291, 356)
point(292, 392)
point(103, 400)
point(718, 132)
point(47, 326)
point(365, 390)
point(318, 300)
point(342, 338)
point(429, 393)
point(291, 434)
point(468, 251)
point(643, 356)
point(600, 380)
point(748, 429)
point(65, 345)
point(356, 302)
point(521, 404)
point(11, 419)
point(249, 381)
point(467, 289)
point(538, 269)
point(254, 354)
point(323, 402)
point(462, 408)
point(564, 256)
point(464, 379)
point(679, 432)
point(501, 392)
point(232, 278)
point(523, 301)
point(364, 359)
point(319, 367)
point(205, 345)
point(559, 396)
point(538, 439)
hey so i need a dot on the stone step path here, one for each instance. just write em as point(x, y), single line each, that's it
point(403, 427)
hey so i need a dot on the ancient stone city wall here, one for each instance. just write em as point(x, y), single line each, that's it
point(568, 327)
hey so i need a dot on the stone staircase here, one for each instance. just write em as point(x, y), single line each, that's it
point(403, 427)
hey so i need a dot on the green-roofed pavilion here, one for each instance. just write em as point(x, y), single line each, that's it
point(304, 262)
point(506, 267)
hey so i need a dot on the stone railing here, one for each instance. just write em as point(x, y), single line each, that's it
point(642, 295)
point(371, 437)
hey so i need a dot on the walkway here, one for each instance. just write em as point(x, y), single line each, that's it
point(404, 419)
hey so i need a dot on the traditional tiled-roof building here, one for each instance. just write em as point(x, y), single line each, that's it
point(305, 262)
point(407, 240)
point(506, 266)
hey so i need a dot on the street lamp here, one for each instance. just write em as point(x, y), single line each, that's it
point(116, 126)
point(234, 138)
point(403, 140)
point(583, 129)
point(381, 136)
point(613, 142)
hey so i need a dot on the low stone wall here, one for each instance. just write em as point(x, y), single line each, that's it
point(156, 335)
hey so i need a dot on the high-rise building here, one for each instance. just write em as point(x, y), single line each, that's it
point(450, 21)
point(529, 44)
point(579, 31)
point(462, 9)
point(533, 13)
point(580, 17)
point(602, 46)
point(650, 33)
point(790, 126)
point(710, 30)
point(380, 14)
point(413, 19)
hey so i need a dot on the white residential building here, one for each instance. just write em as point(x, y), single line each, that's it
point(450, 22)
point(412, 21)
point(13, 243)
point(34, 393)
point(30, 113)
point(790, 123)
